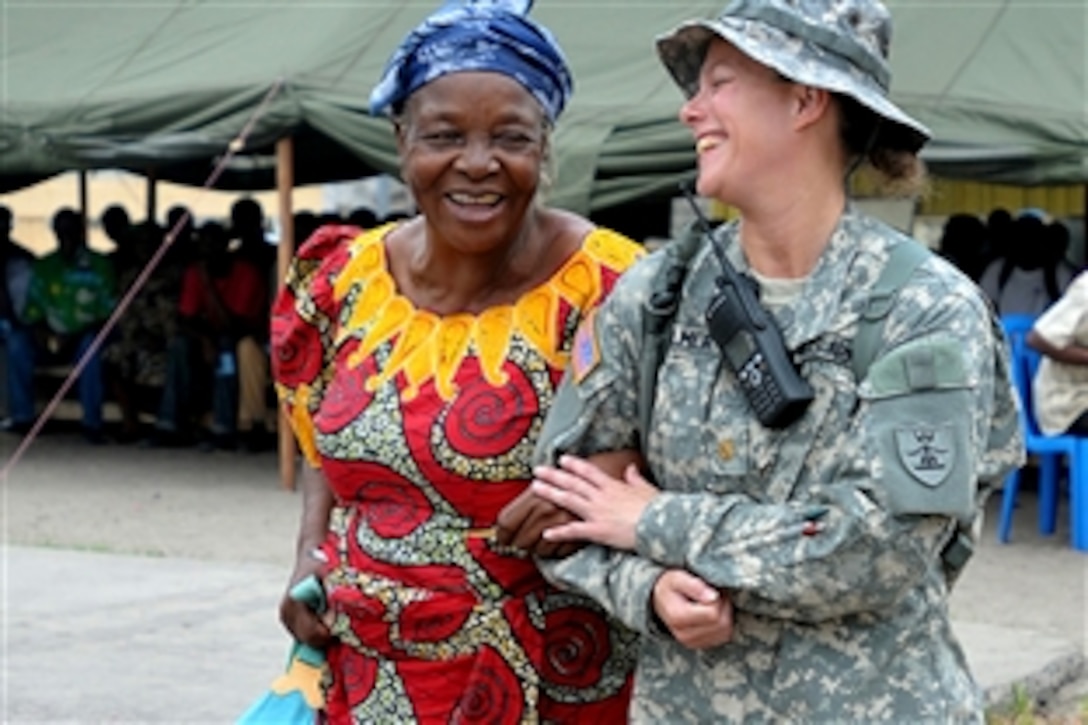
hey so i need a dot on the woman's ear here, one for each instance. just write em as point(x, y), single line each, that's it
point(400, 133)
point(810, 105)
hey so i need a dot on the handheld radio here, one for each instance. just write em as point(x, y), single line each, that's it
point(752, 344)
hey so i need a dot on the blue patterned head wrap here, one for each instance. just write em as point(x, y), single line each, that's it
point(477, 35)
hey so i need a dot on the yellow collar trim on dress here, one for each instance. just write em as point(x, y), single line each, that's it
point(429, 346)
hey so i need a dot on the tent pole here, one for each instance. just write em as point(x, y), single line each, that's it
point(285, 252)
point(83, 203)
point(152, 194)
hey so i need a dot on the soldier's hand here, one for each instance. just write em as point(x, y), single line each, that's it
point(522, 521)
point(698, 615)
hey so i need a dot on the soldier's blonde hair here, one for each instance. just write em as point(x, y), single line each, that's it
point(898, 171)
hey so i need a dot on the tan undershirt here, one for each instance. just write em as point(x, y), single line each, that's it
point(775, 292)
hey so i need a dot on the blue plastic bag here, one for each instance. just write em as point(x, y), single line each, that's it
point(295, 696)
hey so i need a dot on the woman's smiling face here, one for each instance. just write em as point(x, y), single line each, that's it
point(472, 147)
point(739, 117)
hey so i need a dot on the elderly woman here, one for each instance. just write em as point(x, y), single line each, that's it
point(416, 361)
point(791, 568)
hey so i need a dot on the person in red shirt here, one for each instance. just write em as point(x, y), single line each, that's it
point(222, 333)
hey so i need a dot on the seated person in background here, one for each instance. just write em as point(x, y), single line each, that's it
point(135, 357)
point(1056, 239)
point(998, 235)
point(191, 350)
point(1060, 388)
point(117, 225)
point(363, 217)
point(963, 243)
point(1030, 278)
point(187, 231)
point(223, 305)
point(181, 248)
point(16, 266)
point(72, 292)
point(250, 330)
point(247, 230)
point(306, 223)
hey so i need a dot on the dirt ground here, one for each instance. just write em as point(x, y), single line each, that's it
point(226, 506)
point(229, 507)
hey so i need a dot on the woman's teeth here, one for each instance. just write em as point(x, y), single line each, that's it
point(482, 199)
point(705, 144)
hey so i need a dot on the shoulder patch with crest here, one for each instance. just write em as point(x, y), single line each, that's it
point(928, 453)
point(585, 352)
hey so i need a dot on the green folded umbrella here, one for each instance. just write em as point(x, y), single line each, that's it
point(295, 696)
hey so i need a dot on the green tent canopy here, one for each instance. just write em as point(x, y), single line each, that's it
point(167, 86)
point(1003, 85)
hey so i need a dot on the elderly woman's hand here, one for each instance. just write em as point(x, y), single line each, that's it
point(608, 508)
point(304, 624)
point(522, 522)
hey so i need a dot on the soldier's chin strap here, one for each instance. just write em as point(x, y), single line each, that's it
point(236, 146)
point(861, 156)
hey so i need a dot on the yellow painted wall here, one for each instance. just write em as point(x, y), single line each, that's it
point(949, 197)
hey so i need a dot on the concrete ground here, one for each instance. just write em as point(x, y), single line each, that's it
point(141, 585)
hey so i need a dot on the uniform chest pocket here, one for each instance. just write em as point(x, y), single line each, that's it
point(701, 421)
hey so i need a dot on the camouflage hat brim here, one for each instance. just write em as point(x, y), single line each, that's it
point(682, 51)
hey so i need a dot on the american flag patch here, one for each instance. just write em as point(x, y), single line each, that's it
point(585, 353)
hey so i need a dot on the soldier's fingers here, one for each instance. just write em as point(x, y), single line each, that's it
point(572, 500)
point(690, 615)
point(574, 531)
point(690, 586)
point(586, 471)
point(565, 480)
point(709, 635)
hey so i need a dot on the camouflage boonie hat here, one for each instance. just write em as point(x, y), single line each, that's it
point(839, 45)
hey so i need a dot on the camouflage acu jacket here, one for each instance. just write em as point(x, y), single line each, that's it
point(827, 535)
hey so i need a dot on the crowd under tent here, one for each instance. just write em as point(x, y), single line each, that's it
point(169, 89)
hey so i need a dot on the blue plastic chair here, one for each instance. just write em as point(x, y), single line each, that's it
point(1049, 449)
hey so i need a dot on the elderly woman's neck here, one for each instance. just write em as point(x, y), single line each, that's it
point(438, 277)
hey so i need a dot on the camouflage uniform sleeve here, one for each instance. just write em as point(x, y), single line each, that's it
point(621, 582)
point(595, 410)
point(596, 406)
point(867, 520)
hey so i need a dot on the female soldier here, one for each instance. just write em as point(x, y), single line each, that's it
point(788, 570)
point(416, 361)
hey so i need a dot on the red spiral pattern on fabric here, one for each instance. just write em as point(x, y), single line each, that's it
point(296, 345)
point(493, 694)
point(393, 509)
point(436, 619)
point(487, 421)
point(577, 644)
point(346, 396)
point(359, 674)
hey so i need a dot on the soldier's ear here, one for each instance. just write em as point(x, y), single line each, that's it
point(810, 105)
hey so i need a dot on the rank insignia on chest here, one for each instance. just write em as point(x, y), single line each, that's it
point(927, 453)
point(585, 353)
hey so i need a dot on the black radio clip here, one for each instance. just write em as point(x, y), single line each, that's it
point(752, 344)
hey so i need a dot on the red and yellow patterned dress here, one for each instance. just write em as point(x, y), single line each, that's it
point(424, 427)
